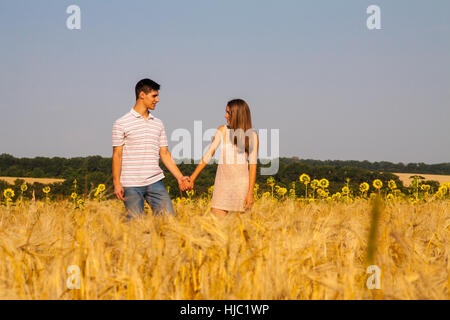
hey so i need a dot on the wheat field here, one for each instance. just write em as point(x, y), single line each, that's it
point(11, 180)
point(278, 250)
point(405, 177)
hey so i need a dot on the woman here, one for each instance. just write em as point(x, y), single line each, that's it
point(235, 181)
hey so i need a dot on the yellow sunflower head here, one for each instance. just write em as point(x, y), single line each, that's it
point(320, 192)
point(24, 187)
point(304, 178)
point(8, 193)
point(324, 183)
point(74, 195)
point(281, 191)
point(377, 184)
point(443, 189)
point(364, 187)
point(315, 183)
point(270, 181)
point(46, 189)
point(101, 187)
point(392, 185)
point(190, 193)
point(345, 190)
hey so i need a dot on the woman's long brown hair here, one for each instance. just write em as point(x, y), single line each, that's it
point(240, 118)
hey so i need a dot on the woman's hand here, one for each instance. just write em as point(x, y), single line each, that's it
point(192, 180)
point(248, 203)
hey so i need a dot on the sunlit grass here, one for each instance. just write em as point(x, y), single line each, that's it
point(279, 250)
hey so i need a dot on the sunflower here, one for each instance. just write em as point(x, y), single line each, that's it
point(324, 183)
point(80, 202)
point(304, 178)
point(321, 193)
point(74, 195)
point(292, 193)
point(24, 187)
point(437, 195)
point(315, 183)
point(8, 193)
point(345, 190)
point(364, 187)
point(266, 195)
point(377, 184)
point(425, 187)
point(390, 196)
point(443, 189)
point(281, 191)
point(211, 189)
point(392, 185)
point(270, 181)
point(46, 189)
point(101, 187)
point(190, 193)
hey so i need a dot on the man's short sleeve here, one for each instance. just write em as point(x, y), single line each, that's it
point(118, 135)
point(163, 137)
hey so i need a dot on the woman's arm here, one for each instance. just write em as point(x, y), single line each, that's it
point(253, 160)
point(208, 154)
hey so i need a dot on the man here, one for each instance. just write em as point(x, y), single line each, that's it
point(139, 140)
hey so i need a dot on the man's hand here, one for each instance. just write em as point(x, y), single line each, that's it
point(119, 192)
point(184, 183)
point(248, 203)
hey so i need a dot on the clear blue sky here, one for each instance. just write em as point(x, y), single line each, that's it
point(312, 69)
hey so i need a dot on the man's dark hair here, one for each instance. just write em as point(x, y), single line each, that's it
point(146, 86)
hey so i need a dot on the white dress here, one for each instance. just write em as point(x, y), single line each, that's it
point(232, 176)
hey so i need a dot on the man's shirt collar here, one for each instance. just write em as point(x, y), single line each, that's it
point(137, 115)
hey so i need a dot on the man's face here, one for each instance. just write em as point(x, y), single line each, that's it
point(151, 99)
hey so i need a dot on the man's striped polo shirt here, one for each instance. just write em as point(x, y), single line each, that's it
point(141, 140)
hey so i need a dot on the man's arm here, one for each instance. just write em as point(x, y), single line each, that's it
point(166, 158)
point(116, 169)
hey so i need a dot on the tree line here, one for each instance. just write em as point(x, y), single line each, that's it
point(93, 170)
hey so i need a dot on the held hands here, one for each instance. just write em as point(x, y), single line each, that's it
point(184, 183)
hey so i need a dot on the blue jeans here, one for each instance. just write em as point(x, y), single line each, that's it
point(155, 194)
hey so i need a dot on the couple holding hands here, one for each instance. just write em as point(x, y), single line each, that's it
point(139, 140)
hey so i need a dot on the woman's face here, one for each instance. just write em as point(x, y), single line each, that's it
point(227, 115)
